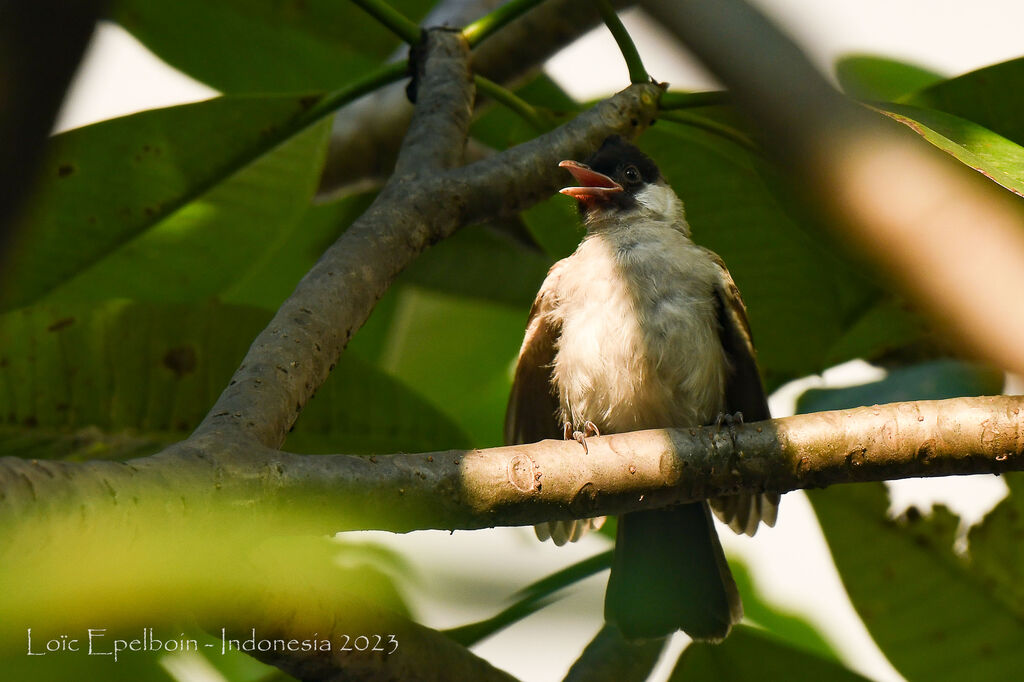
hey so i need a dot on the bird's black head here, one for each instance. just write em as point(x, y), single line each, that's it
point(612, 177)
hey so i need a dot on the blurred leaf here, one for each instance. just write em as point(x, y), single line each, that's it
point(555, 225)
point(274, 273)
point(886, 325)
point(144, 206)
point(800, 295)
point(80, 666)
point(458, 353)
point(480, 262)
point(995, 546)
point(994, 156)
point(782, 624)
point(122, 379)
point(129, 371)
point(265, 46)
point(992, 97)
point(927, 381)
point(872, 78)
point(751, 654)
point(362, 410)
point(501, 128)
point(931, 614)
point(530, 599)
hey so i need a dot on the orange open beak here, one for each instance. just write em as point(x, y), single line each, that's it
point(592, 185)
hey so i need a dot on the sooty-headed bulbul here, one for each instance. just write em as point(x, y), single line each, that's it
point(640, 328)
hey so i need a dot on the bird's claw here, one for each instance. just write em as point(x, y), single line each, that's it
point(730, 420)
point(589, 429)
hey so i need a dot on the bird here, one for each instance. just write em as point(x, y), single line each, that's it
point(641, 328)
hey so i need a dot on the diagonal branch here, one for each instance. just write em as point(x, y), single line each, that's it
point(291, 358)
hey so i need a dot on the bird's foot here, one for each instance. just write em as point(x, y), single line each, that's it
point(589, 429)
point(730, 420)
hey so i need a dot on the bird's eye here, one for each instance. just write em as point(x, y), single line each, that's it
point(631, 174)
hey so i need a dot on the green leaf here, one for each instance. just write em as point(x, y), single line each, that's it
point(874, 78)
point(500, 128)
point(530, 599)
point(146, 206)
point(481, 262)
point(268, 46)
point(992, 97)
point(783, 625)
point(931, 614)
point(361, 410)
point(994, 156)
point(995, 547)
point(272, 277)
point(458, 353)
point(751, 654)
point(123, 379)
point(801, 296)
point(885, 326)
point(935, 380)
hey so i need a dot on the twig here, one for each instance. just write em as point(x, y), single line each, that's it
point(637, 72)
point(392, 19)
point(485, 27)
point(511, 101)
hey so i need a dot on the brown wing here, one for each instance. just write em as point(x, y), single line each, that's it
point(532, 406)
point(743, 393)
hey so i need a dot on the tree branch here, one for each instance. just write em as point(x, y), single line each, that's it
point(367, 134)
point(291, 358)
point(527, 484)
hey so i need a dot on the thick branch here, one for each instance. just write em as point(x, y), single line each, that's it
point(437, 133)
point(527, 484)
point(291, 358)
point(367, 133)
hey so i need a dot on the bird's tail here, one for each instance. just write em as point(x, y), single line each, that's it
point(669, 573)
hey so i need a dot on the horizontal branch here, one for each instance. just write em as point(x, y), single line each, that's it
point(528, 484)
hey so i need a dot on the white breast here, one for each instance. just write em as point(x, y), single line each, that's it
point(639, 345)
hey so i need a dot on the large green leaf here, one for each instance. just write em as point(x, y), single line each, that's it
point(996, 546)
point(272, 276)
point(992, 97)
point(873, 78)
point(994, 156)
point(121, 379)
point(800, 295)
point(481, 262)
point(249, 46)
point(146, 206)
point(751, 654)
point(931, 614)
point(458, 353)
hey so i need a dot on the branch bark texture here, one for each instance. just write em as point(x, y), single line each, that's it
point(527, 484)
point(367, 133)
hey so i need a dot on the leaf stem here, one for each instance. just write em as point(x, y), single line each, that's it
point(345, 94)
point(485, 26)
point(512, 101)
point(392, 19)
point(637, 72)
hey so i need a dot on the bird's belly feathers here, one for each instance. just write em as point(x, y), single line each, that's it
point(639, 346)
